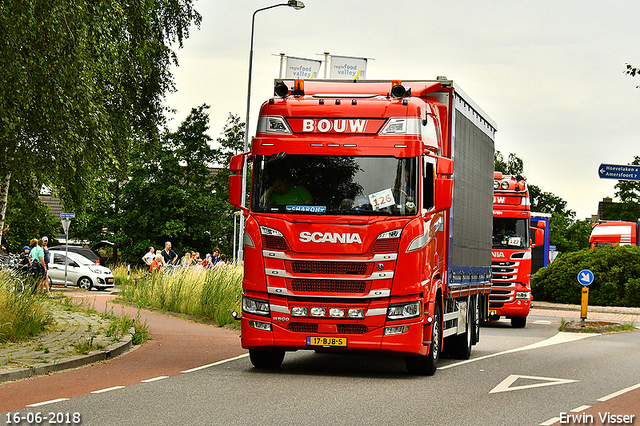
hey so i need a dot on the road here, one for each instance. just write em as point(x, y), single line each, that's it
point(527, 376)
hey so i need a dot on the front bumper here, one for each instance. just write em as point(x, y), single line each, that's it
point(373, 340)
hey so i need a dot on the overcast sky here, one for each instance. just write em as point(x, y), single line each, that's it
point(550, 73)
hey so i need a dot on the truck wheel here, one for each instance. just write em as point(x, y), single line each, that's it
point(426, 365)
point(518, 322)
point(461, 344)
point(266, 359)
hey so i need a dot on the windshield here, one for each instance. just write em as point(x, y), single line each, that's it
point(510, 233)
point(369, 186)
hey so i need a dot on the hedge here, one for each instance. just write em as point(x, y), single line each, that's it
point(616, 271)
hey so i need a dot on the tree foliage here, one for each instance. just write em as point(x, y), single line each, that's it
point(173, 193)
point(80, 81)
point(616, 272)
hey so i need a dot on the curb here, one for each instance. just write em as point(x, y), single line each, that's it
point(110, 351)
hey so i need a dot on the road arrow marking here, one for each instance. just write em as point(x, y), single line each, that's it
point(505, 385)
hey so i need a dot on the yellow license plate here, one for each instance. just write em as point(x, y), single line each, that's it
point(493, 312)
point(326, 341)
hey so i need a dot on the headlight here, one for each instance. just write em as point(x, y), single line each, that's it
point(260, 325)
point(523, 295)
point(404, 310)
point(255, 306)
point(390, 234)
point(95, 270)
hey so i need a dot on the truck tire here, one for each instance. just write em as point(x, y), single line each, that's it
point(461, 344)
point(426, 365)
point(519, 322)
point(269, 360)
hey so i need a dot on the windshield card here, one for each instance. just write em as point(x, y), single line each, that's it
point(514, 241)
point(381, 199)
point(310, 209)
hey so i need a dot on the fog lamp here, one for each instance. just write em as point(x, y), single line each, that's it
point(336, 312)
point(260, 325)
point(299, 311)
point(356, 313)
point(318, 312)
point(388, 331)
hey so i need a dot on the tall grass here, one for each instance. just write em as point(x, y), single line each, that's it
point(22, 316)
point(210, 294)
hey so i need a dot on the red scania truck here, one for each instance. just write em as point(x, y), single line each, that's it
point(615, 233)
point(511, 267)
point(369, 221)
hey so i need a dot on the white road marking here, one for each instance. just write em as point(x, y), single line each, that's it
point(505, 385)
point(620, 392)
point(48, 402)
point(154, 379)
point(215, 363)
point(581, 408)
point(108, 389)
point(550, 421)
point(545, 322)
point(561, 337)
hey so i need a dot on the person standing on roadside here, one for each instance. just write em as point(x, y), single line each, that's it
point(170, 256)
point(45, 249)
point(149, 256)
point(38, 267)
point(157, 264)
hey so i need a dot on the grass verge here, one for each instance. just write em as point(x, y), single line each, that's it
point(210, 294)
point(22, 315)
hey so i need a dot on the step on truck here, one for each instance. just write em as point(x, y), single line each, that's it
point(368, 225)
point(513, 241)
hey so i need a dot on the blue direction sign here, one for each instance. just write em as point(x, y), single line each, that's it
point(585, 277)
point(67, 215)
point(620, 172)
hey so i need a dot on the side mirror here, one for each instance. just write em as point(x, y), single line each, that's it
point(236, 315)
point(444, 194)
point(235, 181)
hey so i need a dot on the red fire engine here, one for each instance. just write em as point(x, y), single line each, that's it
point(369, 221)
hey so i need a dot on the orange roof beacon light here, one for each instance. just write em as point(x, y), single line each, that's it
point(298, 87)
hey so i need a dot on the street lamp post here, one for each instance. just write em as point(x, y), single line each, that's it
point(296, 4)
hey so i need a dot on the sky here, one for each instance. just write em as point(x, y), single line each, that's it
point(550, 73)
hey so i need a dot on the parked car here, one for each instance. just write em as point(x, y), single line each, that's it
point(90, 253)
point(81, 271)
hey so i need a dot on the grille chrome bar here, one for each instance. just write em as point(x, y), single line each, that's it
point(375, 258)
point(284, 274)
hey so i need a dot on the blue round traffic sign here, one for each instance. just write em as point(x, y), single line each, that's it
point(585, 277)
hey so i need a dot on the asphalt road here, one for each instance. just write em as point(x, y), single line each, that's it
point(515, 377)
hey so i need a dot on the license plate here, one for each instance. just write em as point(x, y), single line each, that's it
point(109, 280)
point(493, 312)
point(326, 341)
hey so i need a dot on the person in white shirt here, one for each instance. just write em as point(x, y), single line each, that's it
point(149, 257)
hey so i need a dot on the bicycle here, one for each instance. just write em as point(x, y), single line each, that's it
point(14, 273)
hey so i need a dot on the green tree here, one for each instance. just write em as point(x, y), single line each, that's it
point(80, 81)
point(512, 166)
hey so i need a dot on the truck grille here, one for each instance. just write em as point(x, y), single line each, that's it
point(328, 268)
point(305, 327)
point(328, 286)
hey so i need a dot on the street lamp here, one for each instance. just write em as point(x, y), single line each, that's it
point(296, 4)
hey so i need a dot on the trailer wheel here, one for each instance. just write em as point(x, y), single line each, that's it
point(426, 365)
point(519, 322)
point(266, 359)
point(461, 344)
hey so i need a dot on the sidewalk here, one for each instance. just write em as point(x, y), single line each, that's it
point(58, 349)
point(594, 313)
point(54, 351)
